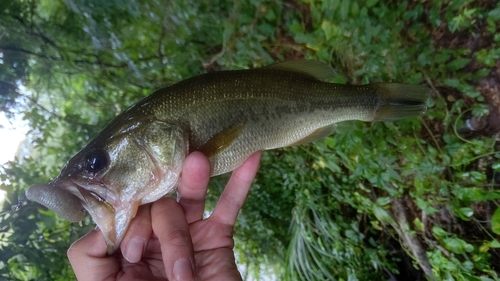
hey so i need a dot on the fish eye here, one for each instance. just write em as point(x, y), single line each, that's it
point(96, 162)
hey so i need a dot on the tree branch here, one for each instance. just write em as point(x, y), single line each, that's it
point(412, 242)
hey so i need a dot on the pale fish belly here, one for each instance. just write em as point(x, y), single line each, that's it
point(289, 129)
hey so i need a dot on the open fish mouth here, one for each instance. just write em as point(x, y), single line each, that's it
point(111, 215)
point(70, 199)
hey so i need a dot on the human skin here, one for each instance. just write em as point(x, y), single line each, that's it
point(170, 240)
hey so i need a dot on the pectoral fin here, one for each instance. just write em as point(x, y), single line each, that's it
point(318, 134)
point(221, 140)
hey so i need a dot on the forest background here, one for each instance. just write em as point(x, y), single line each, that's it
point(409, 200)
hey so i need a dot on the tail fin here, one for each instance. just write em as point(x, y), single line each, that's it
point(400, 100)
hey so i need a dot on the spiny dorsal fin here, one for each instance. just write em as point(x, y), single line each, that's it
point(221, 140)
point(315, 69)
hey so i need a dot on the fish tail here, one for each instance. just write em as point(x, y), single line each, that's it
point(399, 101)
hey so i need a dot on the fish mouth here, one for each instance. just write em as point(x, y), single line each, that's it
point(111, 215)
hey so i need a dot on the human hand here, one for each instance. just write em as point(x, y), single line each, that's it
point(169, 240)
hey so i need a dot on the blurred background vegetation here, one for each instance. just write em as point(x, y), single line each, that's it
point(410, 200)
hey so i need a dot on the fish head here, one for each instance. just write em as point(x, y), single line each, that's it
point(121, 169)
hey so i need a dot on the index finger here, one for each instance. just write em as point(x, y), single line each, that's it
point(235, 193)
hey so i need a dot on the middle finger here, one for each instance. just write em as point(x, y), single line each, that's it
point(174, 236)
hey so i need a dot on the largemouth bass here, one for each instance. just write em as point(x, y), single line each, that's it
point(227, 115)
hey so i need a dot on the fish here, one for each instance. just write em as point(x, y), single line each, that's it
point(227, 115)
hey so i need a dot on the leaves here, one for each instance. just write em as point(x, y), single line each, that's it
point(317, 212)
point(495, 221)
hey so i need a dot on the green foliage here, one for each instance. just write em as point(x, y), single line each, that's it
point(438, 172)
point(324, 211)
point(495, 222)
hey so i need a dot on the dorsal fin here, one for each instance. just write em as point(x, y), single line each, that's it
point(315, 69)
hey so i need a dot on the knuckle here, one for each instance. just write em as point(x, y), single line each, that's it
point(245, 178)
point(231, 201)
point(188, 202)
point(140, 225)
point(179, 237)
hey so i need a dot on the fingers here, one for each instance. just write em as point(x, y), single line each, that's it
point(193, 186)
point(172, 229)
point(236, 191)
point(137, 236)
point(88, 255)
point(89, 259)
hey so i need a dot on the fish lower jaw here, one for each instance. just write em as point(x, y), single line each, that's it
point(113, 225)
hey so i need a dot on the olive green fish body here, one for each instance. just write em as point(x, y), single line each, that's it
point(226, 115)
point(274, 108)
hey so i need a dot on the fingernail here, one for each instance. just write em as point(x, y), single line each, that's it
point(183, 270)
point(133, 252)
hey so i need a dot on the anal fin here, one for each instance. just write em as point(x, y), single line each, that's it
point(318, 134)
